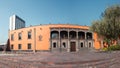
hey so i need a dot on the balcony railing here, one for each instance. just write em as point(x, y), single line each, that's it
point(71, 38)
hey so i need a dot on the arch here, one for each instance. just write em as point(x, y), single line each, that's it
point(72, 34)
point(54, 45)
point(89, 35)
point(90, 44)
point(54, 34)
point(64, 45)
point(81, 44)
point(64, 34)
point(81, 35)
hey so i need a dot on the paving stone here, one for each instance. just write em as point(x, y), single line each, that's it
point(81, 59)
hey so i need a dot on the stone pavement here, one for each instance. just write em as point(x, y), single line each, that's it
point(83, 59)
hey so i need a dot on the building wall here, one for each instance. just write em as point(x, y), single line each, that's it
point(24, 41)
point(97, 44)
point(39, 40)
point(41, 36)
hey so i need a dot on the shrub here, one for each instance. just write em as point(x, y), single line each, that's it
point(112, 48)
point(104, 49)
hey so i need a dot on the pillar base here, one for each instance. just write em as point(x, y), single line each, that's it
point(68, 50)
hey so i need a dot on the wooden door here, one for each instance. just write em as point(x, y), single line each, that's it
point(72, 46)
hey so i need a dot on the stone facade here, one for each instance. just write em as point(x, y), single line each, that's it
point(71, 40)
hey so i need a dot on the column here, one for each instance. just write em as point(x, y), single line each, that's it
point(50, 40)
point(59, 46)
point(86, 41)
point(77, 43)
point(50, 44)
point(68, 46)
point(85, 35)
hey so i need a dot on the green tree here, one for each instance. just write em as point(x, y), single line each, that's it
point(108, 27)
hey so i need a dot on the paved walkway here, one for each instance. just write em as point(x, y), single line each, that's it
point(61, 60)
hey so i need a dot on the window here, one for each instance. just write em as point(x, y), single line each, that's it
point(81, 45)
point(12, 47)
point(19, 46)
point(54, 45)
point(19, 36)
point(29, 35)
point(64, 45)
point(29, 46)
point(12, 37)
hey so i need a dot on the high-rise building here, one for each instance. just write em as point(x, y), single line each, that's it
point(16, 23)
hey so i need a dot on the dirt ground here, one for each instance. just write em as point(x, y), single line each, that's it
point(60, 60)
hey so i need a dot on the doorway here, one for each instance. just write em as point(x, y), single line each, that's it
point(72, 46)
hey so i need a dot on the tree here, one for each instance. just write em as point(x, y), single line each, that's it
point(108, 27)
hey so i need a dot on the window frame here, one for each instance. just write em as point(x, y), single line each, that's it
point(29, 48)
point(19, 46)
point(19, 36)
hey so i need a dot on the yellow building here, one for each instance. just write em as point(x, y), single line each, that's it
point(53, 37)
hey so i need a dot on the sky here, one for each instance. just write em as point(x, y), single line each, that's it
point(36, 12)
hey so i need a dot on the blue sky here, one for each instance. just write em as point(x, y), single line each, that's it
point(35, 12)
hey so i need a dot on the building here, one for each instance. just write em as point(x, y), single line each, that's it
point(53, 37)
point(2, 46)
point(16, 23)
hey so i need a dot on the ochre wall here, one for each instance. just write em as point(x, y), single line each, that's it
point(96, 41)
point(24, 41)
point(42, 31)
